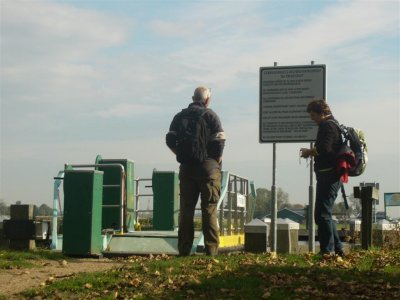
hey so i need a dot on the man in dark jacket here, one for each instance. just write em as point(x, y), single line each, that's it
point(325, 152)
point(199, 178)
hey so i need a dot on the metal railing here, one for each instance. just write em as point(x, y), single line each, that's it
point(138, 196)
point(232, 206)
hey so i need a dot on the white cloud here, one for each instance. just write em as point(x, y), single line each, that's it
point(227, 53)
point(127, 110)
point(173, 29)
point(49, 51)
point(39, 31)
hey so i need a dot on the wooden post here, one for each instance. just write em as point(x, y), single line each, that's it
point(368, 195)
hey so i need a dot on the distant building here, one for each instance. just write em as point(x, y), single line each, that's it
point(296, 214)
point(380, 215)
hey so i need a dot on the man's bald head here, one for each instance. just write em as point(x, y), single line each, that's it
point(201, 94)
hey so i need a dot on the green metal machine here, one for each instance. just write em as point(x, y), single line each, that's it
point(83, 191)
point(103, 197)
point(165, 200)
point(112, 194)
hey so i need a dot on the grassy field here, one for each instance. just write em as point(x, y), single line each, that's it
point(25, 259)
point(373, 274)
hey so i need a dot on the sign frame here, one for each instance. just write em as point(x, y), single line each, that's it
point(261, 94)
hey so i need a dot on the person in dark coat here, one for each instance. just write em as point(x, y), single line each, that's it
point(200, 178)
point(325, 152)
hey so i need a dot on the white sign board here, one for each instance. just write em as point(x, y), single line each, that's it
point(241, 200)
point(284, 95)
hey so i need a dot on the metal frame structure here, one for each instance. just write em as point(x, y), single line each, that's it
point(233, 210)
point(232, 214)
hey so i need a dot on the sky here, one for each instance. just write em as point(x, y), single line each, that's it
point(81, 78)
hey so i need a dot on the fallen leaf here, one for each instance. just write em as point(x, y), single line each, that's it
point(135, 282)
point(266, 295)
point(215, 260)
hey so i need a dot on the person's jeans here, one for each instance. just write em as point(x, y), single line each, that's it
point(328, 185)
point(209, 188)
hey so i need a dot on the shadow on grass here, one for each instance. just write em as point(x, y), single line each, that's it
point(286, 282)
point(222, 279)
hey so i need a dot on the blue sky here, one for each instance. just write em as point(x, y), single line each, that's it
point(81, 78)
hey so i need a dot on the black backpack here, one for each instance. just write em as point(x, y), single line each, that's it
point(192, 137)
point(353, 141)
point(354, 147)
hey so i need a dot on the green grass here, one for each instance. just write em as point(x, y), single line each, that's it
point(25, 259)
point(374, 274)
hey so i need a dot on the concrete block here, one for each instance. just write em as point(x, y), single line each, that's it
point(256, 236)
point(355, 226)
point(21, 211)
point(385, 233)
point(22, 244)
point(287, 236)
point(19, 229)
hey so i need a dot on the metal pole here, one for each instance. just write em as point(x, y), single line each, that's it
point(236, 215)
point(384, 205)
point(137, 201)
point(56, 209)
point(311, 208)
point(274, 205)
point(274, 202)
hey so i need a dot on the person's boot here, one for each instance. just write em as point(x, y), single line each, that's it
point(340, 253)
point(211, 251)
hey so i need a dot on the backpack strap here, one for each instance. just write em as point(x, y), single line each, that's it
point(201, 111)
point(339, 126)
point(346, 204)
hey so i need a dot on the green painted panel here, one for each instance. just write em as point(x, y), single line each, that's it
point(82, 212)
point(165, 200)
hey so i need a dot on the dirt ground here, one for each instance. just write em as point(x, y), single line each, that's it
point(14, 281)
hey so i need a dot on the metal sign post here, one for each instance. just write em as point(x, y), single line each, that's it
point(311, 207)
point(274, 202)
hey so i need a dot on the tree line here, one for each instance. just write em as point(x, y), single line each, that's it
point(42, 210)
point(263, 204)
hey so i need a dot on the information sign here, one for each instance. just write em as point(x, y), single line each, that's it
point(284, 95)
point(392, 199)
